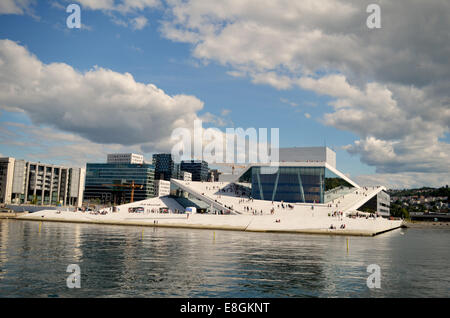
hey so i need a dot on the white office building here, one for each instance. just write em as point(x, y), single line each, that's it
point(129, 158)
point(162, 188)
point(185, 176)
point(24, 182)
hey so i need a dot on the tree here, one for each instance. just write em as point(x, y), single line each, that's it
point(404, 213)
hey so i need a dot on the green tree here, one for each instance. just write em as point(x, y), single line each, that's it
point(404, 213)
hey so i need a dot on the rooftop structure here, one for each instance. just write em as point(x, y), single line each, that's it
point(308, 154)
point(130, 158)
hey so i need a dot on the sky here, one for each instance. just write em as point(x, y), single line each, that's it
point(137, 70)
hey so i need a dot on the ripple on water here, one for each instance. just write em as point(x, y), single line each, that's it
point(129, 262)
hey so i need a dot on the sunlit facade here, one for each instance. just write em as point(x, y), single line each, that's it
point(298, 184)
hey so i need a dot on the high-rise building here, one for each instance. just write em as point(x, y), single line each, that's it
point(198, 169)
point(38, 183)
point(165, 167)
point(109, 183)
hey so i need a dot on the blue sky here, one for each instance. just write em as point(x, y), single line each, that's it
point(155, 55)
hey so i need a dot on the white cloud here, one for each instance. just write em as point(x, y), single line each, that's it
point(100, 105)
point(139, 23)
point(398, 133)
point(390, 86)
point(79, 117)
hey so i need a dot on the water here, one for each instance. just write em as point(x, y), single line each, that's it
point(145, 262)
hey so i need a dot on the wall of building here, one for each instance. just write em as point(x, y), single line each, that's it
point(383, 203)
point(185, 176)
point(162, 188)
point(76, 187)
point(43, 184)
point(198, 169)
point(164, 167)
point(6, 179)
point(100, 178)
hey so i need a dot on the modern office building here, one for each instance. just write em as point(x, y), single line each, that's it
point(165, 167)
point(130, 158)
point(162, 188)
point(111, 183)
point(38, 183)
point(198, 169)
point(185, 176)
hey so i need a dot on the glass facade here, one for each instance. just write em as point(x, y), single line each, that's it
point(294, 184)
point(164, 167)
point(198, 169)
point(101, 179)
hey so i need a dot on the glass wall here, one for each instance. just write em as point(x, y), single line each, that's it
point(294, 184)
point(101, 178)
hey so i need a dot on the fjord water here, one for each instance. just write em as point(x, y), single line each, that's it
point(120, 261)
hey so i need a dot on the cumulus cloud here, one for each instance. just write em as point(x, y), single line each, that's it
point(100, 105)
point(79, 117)
point(400, 127)
point(389, 86)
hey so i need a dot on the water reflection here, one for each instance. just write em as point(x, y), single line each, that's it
point(136, 262)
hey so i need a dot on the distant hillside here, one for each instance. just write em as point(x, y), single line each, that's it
point(425, 191)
